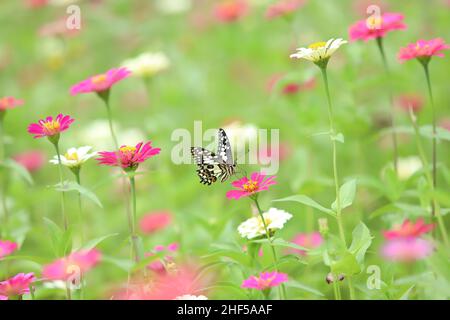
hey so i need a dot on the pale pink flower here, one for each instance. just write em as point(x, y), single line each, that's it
point(32, 160)
point(9, 103)
point(373, 27)
point(100, 82)
point(230, 10)
point(155, 221)
point(411, 101)
point(248, 187)
point(407, 249)
point(50, 126)
point(408, 229)
point(423, 50)
point(283, 8)
point(266, 280)
point(307, 240)
point(57, 28)
point(17, 285)
point(7, 247)
point(80, 261)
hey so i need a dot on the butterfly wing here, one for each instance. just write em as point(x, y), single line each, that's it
point(224, 152)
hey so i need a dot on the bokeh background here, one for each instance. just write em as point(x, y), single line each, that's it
point(225, 73)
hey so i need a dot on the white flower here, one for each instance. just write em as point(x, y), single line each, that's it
point(190, 297)
point(254, 227)
point(319, 51)
point(241, 135)
point(74, 157)
point(147, 64)
point(406, 167)
point(173, 6)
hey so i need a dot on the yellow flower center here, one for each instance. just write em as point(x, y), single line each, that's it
point(71, 156)
point(51, 127)
point(374, 22)
point(98, 79)
point(251, 186)
point(317, 45)
point(127, 149)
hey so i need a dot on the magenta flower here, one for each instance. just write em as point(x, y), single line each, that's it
point(80, 261)
point(423, 50)
point(32, 160)
point(408, 229)
point(9, 103)
point(230, 10)
point(372, 27)
point(307, 240)
point(248, 187)
point(17, 285)
point(100, 82)
point(266, 280)
point(7, 247)
point(155, 221)
point(50, 127)
point(128, 157)
point(407, 249)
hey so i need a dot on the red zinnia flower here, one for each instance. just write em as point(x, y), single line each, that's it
point(128, 157)
point(50, 127)
point(248, 187)
point(408, 229)
point(423, 50)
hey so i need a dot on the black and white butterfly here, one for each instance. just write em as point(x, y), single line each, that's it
point(214, 166)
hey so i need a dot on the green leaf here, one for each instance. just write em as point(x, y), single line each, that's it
point(347, 265)
point(303, 287)
point(339, 137)
point(91, 244)
point(406, 294)
point(73, 186)
point(19, 169)
point(361, 241)
point(61, 240)
point(347, 195)
point(278, 242)
point(441, 133)
point(308, 202)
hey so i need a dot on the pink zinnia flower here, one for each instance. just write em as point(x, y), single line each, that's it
point(100, 82)
point(80, 261)
point(32, 160)
point(17, 285)
point(410, 101)
point(423, 50)
point(7, 247)
point(373, 27)
point(248, 187)
point(283, 8)
point(307, 240)
point(50, 127)
point(9, 103)
point(265, 281)
point(407, 250)
point(155, 221)
point(128, 157)
point(408, 229)
point(230, 10)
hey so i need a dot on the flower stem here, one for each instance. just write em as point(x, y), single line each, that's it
point(391, 100)
point(63, 197)
point(76, 172)
point(111, 127)
point(269, 238)
point(335, 171)
point(434, 204)
point(132, 220)
point(434, 152)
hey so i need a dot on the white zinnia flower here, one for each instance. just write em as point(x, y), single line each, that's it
point(190, 297)
point(406, 167)
point(74, 157)
point(254, 227)
point(319, 51)
point(147, 64)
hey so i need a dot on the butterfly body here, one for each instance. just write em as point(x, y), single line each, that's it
point(211, 166)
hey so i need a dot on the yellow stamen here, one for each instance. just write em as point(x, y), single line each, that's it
point(317, 45)
point(251, 186)
point(71, 156)
point(128, 149)
point(99, 78)
point(51, 127)
point(374, 22)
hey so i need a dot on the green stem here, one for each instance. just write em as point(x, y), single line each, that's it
point(435, 204)
point(110, 122)
point(391, 100)
point(63, 197)
point(335, 171)
point(76, 172)
point(269, 238)
point(132, 220)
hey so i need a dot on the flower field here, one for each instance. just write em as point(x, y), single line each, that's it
point(226, 149)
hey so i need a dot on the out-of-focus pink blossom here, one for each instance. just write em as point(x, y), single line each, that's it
point(376, 27)
point(307, 240)
point(7, 247)
point(155, 221)
point(411, 101)
point(230, 10)
point(17, 285)
point(32, 160)
point(407, 249)
point(57, 28)
point(283, 8)
point(423, 50)
point(408, 229)
point(266, 280)
point(9, 103)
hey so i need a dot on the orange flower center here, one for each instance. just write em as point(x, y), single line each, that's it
point(99, 79)
point(317, 45)
point(251, 186)
point(374, 22)
point(51, 127)
point(128, 149)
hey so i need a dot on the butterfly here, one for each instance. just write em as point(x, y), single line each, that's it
point(211, 166)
